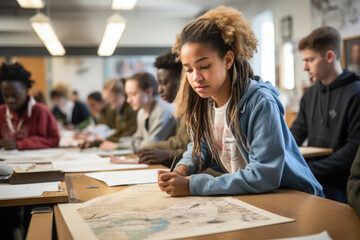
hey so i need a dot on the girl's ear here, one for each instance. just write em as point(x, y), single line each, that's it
point(149, 92)
point(229, 59)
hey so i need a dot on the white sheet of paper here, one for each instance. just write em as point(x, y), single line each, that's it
point(320, 236)
point(114, 152)
point(8, 190)
point(126, 177)
point(42, 155)
point(92, 165)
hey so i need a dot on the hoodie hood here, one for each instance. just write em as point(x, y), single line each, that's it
point(252, 87)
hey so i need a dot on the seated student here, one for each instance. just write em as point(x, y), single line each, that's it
point(24, 123)
point(168, 76)
point(236, 119)
point(73, 115)
point(125, 121)
point(329, 114)
point(154, 121)
point(353, 184)
point(118, 114)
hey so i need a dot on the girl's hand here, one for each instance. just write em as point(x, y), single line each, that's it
point(182, 170)
point(107, 145)
point(173, 183)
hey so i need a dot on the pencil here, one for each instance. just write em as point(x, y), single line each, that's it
point(173, 164)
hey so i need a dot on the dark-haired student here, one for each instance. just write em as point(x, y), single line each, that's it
point(353, 185)
point(168, 76)
point(329, 114)
point(24, 123)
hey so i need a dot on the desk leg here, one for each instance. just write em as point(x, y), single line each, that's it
point(62, 231)
point(40, 226)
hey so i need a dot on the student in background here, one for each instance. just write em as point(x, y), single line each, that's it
point(353, 185)
point(73, 115)
point(168, 77)
point(117, 114)
point(39, 96)
point(236, 119)
point(125, 121)
point(154, 121)
point(24, 123)
point(329, 114)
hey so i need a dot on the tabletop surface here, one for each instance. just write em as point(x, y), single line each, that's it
point(312, 214)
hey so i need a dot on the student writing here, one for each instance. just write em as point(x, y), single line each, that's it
point(236, 120)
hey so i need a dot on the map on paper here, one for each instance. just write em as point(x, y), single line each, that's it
point(144, 212)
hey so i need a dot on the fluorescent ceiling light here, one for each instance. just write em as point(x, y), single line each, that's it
point(45, 30)
point(113, 31)
point(31, 3)
point(123, 4)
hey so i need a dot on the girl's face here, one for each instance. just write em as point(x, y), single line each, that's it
point(59, 101)
point(15, 94)
point(114, 100)
point(206, 71)
point(136, 97)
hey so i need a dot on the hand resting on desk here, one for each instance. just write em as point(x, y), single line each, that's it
point(175, 183)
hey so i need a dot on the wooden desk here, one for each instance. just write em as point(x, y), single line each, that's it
point(309, 152)
point(313, 214)
point(46, 198)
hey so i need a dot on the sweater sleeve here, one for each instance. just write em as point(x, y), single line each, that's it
point(161, 125)
point(47, 133)
point(353, 186)
point(176, 145)
point(343, 157)
point(266, 130)
point(299, 126)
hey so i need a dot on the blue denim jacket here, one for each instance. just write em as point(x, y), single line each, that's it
point(273, 158)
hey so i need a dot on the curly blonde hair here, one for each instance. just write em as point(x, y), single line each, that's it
point(223, 29)
point(235, 31)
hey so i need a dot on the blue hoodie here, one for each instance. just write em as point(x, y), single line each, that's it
point(274, 160)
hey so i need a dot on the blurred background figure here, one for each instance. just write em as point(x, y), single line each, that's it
point(72, 115)
point(354, 66)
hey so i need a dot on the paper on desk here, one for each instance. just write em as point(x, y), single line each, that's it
point(91, 165)
point(115, 152)
point(126, 177)
point(320, 236)
point(8, 190)
point(31, 155)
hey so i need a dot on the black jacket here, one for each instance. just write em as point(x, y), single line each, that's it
point(330, 117)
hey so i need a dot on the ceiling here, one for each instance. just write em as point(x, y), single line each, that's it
point(81, 23)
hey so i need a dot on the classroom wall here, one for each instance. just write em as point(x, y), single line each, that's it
point(300, 12)
point(84, 74)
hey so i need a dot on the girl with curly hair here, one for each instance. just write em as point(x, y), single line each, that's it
point(234, 118)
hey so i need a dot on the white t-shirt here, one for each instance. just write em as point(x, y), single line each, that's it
point(227, 147)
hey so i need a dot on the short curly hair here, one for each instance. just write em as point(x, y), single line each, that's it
point(15, 72)
point(168, 61)
point(224, 29)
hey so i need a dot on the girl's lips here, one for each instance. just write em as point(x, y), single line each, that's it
point(200, 88)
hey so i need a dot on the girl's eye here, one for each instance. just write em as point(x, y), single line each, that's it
point(188, 70)
point(206, 67)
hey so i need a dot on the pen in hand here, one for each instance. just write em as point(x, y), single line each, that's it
point(173, 164)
